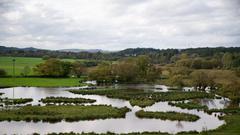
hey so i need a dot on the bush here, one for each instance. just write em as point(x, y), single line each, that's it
point(2, 72)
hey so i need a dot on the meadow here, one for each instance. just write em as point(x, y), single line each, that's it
point(40, 82)
point(6, 63)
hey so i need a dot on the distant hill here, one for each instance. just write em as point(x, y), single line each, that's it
point(3, 48)
point(82, 50)
point(98, 54)
point(137, 51)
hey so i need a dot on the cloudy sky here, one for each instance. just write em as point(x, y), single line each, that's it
point(119, 24)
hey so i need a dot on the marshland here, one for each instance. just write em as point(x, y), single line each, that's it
point(120, 67)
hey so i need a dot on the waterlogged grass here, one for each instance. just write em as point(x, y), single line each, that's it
point(167, 115)
point(58, 113)
point(39, 82)
point(8, 101)
point(144, 98)
point(141, 103)
point(226, 111)
point(67, 100)
point(230, 128)
point(188, 105)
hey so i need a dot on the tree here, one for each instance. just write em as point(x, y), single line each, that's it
point(153, 73)
point(25, 71)
point(184, 63)
point(3, 72)
point(232, 90)
point(46, 57)
point(184, 71)
point(102, 74)
point(137, 69)
point(177, 80)
point(143, 63)
point(53, 68)
point(78, 69)
point(227, 60)
point(201, 80)
point(125, 71)
point(197, 63)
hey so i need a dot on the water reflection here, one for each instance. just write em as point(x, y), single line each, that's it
point(124, 125)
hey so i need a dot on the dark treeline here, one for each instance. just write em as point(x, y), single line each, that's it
point(161, 56)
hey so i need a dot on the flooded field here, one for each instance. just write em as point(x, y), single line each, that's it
point(130, 123)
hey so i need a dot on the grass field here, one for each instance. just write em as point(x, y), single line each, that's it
point(7, 64)
point(39, 82)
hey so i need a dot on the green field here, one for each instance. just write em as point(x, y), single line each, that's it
point(7, 64)
point(40, 82)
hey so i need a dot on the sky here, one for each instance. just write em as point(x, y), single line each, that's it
point(119, 24)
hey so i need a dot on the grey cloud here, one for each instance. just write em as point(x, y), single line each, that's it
point(119, 24)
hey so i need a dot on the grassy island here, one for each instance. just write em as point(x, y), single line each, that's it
point(167, 115)
point(188, 105)
point(144, 98)
point(58, 113)
point(67, 100)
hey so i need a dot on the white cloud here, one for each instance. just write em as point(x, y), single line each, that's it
point(119, 24)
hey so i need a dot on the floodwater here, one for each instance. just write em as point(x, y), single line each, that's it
point(123, 125)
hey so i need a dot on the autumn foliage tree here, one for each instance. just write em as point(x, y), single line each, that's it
point(53, 68)
point(78, 69)
point(129, 70)
point(201, 80)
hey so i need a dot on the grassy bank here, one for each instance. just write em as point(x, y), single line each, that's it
point(8, 101)
point(188, 105)
point(226, 111)
point(58, 113)
point(66, 100)
point(144, 98)
point(39, 82)
point(167, 115)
